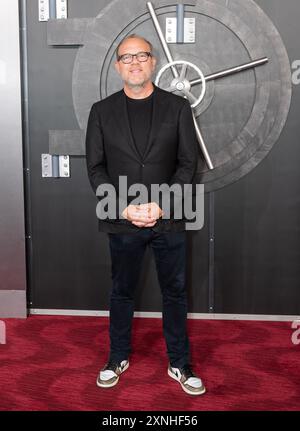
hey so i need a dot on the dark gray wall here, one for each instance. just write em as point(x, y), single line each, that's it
point(252, 265)
point(257, 219)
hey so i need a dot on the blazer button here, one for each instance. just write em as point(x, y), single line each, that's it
point(143, 165)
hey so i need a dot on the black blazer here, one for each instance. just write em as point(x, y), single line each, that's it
point(170, 157)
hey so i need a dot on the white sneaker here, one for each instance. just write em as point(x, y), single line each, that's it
point(109, 375)
point(189, 382)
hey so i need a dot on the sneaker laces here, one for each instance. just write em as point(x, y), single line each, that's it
point(187, 371)
point(111, 365)
point(191, 378)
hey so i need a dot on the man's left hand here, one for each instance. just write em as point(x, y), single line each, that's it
point(146, 215)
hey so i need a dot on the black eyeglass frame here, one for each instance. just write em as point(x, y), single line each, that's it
point(149, 54)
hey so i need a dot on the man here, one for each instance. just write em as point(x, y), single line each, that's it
point(147, 135)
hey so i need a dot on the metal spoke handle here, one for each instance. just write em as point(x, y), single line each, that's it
point(161, 37)
point(202, 144)
point(180, 80)
point(232, 70)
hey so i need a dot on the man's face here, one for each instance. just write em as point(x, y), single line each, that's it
point(135, 74)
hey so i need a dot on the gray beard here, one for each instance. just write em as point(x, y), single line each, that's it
point(134, 86)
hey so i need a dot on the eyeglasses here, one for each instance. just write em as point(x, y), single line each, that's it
point(140, 56)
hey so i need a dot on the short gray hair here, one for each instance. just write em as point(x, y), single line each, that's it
point(133, 36)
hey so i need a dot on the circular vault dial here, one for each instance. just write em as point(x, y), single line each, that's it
point(237, 69)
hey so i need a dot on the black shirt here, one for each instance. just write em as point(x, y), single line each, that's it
point(140, 115)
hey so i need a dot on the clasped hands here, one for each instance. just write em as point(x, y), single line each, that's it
point(143, 215)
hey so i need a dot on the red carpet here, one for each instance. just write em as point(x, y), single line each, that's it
point(51, 363)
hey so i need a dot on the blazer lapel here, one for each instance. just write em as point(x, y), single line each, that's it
point(122, 119)
point(157, 117)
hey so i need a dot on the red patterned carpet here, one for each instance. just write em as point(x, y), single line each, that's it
point(51, 363)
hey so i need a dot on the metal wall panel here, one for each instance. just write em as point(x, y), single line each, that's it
point(251, 266)
point(70, 258)
point(257, 219)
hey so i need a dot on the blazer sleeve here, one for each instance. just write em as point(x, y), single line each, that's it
point(187, 152)
point(95, 155)
point(187, 155)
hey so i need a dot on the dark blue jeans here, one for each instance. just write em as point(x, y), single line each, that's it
point(127, 251)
